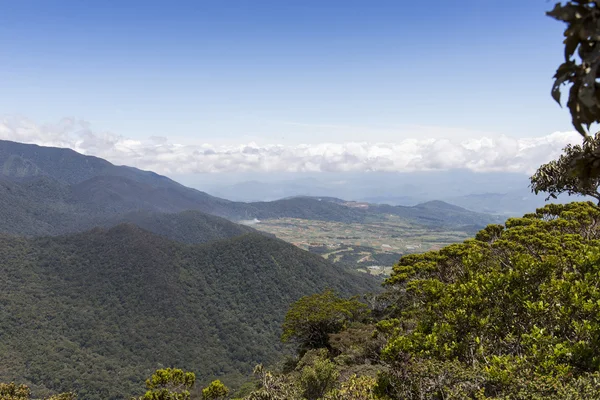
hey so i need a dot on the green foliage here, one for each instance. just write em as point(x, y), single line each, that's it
point(513, 313)
point(567, 174)
point(581, 71)
point(515, 305)
point(581, 38)
point(355, 388)
point(310, 320)
point(169, 384)
point(11, 391)
point(215, 391)
point(95, 312)
point(440, 380)
point(318, 374)
point(429, 379)
point(274, 387)
point(316, 377)
point(356, 345)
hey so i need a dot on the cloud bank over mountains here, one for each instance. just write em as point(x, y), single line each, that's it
point(479, 154)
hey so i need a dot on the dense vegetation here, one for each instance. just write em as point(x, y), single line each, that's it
point(439, 214)
point(515, 310)
point(96, 312)
point(191, 227)
point(512, 314)
point(78, 310)
point(564, 175)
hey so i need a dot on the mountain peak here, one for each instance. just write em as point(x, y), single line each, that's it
point(439, 204)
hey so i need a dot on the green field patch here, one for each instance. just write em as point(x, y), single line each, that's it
point(379, 241)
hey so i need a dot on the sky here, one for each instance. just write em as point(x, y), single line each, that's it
point(197, 87)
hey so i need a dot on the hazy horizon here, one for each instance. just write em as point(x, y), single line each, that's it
point(192, 88)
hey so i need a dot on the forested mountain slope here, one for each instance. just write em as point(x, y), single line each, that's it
point(42, 206)
point(95, 184)
point(191, 227)
point(96, 312)
point(438, 213)
point(87, 186)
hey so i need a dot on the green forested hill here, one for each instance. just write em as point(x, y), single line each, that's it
point(43, 206)
point(307, 208)
point(99, 187)
point(191, 227)
point(64, 189)
point(96, 312)
point(438, 214)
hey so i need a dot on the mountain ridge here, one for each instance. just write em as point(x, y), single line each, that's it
point(111, 297)
point(103, 191)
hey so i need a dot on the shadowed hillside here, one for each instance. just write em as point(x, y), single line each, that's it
point(96, 312)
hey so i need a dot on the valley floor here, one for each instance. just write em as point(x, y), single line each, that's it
point(371, 247)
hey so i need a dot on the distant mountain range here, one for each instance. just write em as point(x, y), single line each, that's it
point(53, 191)
point(500, 193)
point(47, 190)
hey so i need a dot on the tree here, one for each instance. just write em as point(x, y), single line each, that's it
point(314, 376)
point(11, 391)
point(578, 170)
point(311, 319)
point(273, 387)
point(355, 388)
point(513, 312)
point(318, 374)
point(582, 35)
point(564, 176)
point(169, 384)
point(215, 391)
point(581, 70)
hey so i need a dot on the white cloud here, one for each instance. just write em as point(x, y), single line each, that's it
point(486, 153)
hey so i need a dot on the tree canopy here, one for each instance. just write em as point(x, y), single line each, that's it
point(12, 391)
point(581, 70)
point(169, 384)
point(581, 67)
point(513, 313)
point(565, 176)
point(516, 304)
point(215, 391)
point(311, 320)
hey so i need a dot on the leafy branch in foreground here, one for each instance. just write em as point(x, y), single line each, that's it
point(582, 37)
point(570, 173)
point(581, 70)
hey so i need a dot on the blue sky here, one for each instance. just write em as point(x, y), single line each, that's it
point(261, 68)
point(282, 72)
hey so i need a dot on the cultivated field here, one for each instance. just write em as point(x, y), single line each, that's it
point(372, 247)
